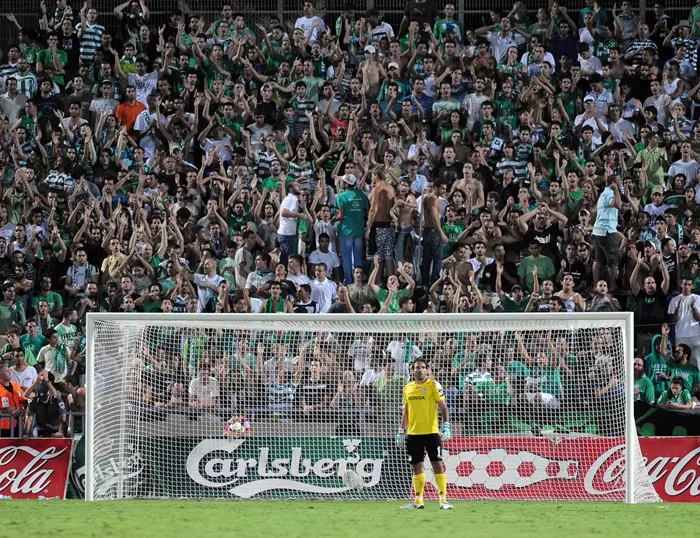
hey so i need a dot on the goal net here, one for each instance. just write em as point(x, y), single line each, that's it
point(306, 406)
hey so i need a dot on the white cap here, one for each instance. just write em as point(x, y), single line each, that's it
point(349, 179)
point(370, 48)
point(394, 64)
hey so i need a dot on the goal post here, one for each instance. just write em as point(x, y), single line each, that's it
point(226, 406)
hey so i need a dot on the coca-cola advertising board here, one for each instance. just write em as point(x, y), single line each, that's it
point(673, 464)
point(33, 468)
point(513, 468)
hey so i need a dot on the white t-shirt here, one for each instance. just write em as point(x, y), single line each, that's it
point(148, 141)
point(204, 295)
point(305, 24)
point(288, 225)
point(144, 84)
point(204, 393)
point(299, 279)
point(397, 350)
point(329, 258)
point(686, 326)
point(323, 293)
point(25, 378)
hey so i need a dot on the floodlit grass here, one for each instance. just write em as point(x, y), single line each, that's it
point(265, 519)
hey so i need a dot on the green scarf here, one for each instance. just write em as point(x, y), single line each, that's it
point(61, 358)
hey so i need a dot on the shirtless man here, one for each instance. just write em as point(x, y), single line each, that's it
point(380, 232)
point(404, 206)
point(372, 73)
point(432, 239)
point(472, 186)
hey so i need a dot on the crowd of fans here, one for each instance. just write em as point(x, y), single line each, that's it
point(544, 162)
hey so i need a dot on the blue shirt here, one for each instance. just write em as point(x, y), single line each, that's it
point(606, 219)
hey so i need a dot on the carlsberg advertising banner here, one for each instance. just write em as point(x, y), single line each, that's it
point(498, 468)
point(260, 467)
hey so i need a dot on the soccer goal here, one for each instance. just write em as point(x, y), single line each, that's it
point(307, 406)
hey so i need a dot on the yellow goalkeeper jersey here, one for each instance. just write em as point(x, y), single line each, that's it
point(421, 400)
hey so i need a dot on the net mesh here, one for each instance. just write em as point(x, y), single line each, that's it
point(274, 407)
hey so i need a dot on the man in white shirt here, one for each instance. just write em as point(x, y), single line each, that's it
point(145, 125)
point(602, 97)
point(323, 290)
point(294, 274)
point(617, 125)
point(501, 41)
point(289, 218)
point(686, 165)
point(323, 255)
point(310, 23)
point(592, 118)
point(660, 101)
point(684, 311)
point(207, 285)
point(22, 374)
point(12, 103)
point(403, 353)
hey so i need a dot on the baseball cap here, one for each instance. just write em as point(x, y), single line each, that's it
point(588, 98)
point(394, 64)
point(685, 23)
point(658, 189)
point(517, 287)
point(349, 179)
point(370, 49)
point(43, 392)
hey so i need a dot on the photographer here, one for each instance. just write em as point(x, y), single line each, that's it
point(47, 409)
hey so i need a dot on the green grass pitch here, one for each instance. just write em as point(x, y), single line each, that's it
point(267, 519)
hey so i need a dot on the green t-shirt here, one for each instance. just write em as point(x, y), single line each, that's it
point(464, 369)
point(45, 58)
point(151, 306)
point(33, 344)
point(29, 355)
point(646, 389)
point(230, 276)
point(452, 232)
point(655, 365)
point(355, 205)
point(688, 372)
point(667, 396)
point(509, 305)
point(545, 270)
point(550, 381)
point(53, 298)
point(383, 294)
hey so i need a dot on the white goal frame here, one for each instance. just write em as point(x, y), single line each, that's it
point(523, 322)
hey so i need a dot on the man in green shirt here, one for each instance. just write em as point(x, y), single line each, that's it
point(54, 59)
point(11, 310)
point(352, 206)
point(683, 369)
point(675, 397)
point(54, 299)
point(643, 387)
point(545, 267)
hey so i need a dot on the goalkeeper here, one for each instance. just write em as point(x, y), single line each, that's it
point(422, 397)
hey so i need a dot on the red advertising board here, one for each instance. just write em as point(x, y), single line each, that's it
point(30, 468)
point(515, 468)
point(673, 464)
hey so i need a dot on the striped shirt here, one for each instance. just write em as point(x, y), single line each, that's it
point(7, 70)
point(520, 167)
point(26, 84)
point(91, 41)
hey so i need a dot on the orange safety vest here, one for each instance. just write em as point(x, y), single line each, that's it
point(13, 400)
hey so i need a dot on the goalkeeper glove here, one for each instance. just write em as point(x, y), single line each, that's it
point(445, 433)
point(401, 438)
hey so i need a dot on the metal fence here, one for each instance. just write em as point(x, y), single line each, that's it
point(471, 14)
